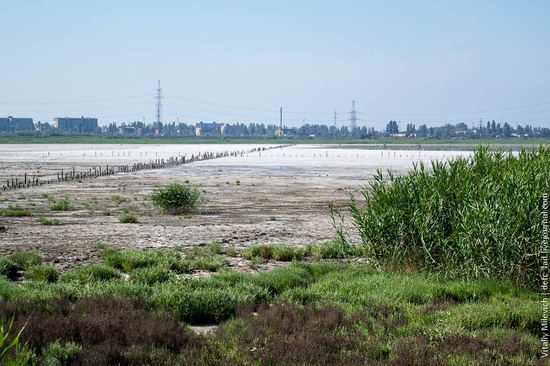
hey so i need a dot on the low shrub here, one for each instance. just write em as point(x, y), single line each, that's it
point(176, 198)
point(285, 334)
point(101, 331)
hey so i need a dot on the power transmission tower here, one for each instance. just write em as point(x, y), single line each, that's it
point(335, 118)
point(281, 122)
point(353, 118)
point(159, 104)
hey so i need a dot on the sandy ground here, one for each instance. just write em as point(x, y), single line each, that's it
point(274, 197)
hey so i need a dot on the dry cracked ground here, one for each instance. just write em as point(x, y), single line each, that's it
point(242, 205)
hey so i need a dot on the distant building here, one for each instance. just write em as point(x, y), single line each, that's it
point(76, 125)
point(233, 130)
point(285, 131)
point(127, 131)
point(208, 129)
point(12, 124)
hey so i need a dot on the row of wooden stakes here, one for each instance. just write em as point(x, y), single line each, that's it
point(100, 171)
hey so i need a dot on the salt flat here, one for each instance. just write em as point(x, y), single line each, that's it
point(271, 196)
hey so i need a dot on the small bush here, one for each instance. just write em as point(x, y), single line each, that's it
point(42, 273)
point(176, 198)
point(26, 259)
point(61, 205)
point(128, 218)
point(14, 211)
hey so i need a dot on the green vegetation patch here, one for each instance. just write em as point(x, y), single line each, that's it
point(467, 218)
point(42, 273)
point(128, 218)
point(61, 205)
point(44, 221)
point(25, 259)
point(176, 198)
point(318, 313)
point(14, 211)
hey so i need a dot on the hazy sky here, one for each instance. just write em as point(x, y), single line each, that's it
point(239, 61)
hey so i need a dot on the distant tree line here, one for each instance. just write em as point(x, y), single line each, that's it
point(488, 129)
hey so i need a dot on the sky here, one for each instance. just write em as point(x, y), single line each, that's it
point(234, 61)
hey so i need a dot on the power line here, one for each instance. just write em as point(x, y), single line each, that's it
point(458, 113)
point(76, 101)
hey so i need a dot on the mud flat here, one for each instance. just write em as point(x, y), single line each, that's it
point(276, 196)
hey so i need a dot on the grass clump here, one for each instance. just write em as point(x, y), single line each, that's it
point(118, 198)
point(8, 268)
point(470, 217)
point(129, 260)
point(61, 205)
point(335, 249)
point(90, 273)
point(207, 258)
point(128, 218)
point(14, 211)
point(150, 275)
point(176, 198)
point(44, 221)
point(25, 259)
point(42, 273)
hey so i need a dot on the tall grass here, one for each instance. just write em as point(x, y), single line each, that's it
point(470, 217)
point(11, 350)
